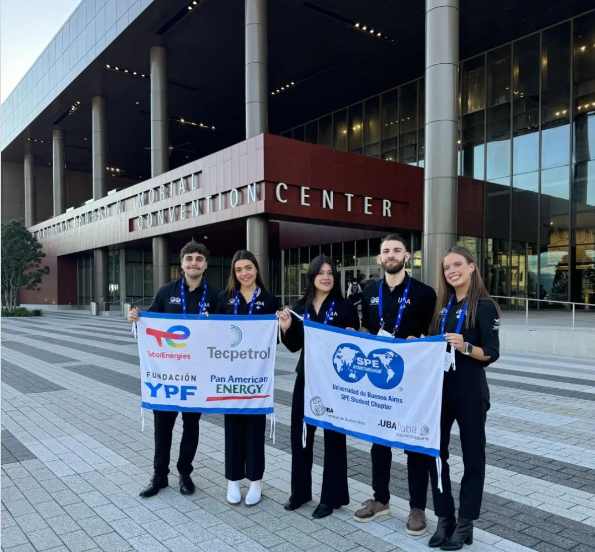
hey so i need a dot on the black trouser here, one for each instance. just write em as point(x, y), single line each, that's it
point(418, 475)
point(335, 489)
point(466, 399)
point(244, 446)
point(164, 426)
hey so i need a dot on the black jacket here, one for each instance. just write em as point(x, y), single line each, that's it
point(485, 334)
point(417, 315)
point(168, 299)
point(265, 303)
point(344, 315)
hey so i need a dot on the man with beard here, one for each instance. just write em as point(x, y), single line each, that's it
point(402, 307)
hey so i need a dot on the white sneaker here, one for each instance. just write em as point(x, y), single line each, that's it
point(234, 495)
point(254, 493)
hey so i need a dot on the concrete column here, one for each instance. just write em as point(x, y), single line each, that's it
point(101, 277)
point(59, 172)
point(122, 282)
point(257, 121)
point(257, 87)
point(161, 262)
point(99, 147)
point(441, 131)
point(159, 131)
point(29, 170)
point(257, 241)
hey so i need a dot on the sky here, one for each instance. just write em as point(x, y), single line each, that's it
point(26, 28)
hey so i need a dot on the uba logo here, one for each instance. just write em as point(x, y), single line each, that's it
point(175, 333)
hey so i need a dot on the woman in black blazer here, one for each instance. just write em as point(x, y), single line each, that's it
point(244, 433)
point(323, 302)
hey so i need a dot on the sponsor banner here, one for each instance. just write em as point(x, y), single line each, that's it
point(379, 389)
point(215, 364)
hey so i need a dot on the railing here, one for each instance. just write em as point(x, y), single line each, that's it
point(549, 301)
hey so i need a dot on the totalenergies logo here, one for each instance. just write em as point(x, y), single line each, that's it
point(175, 333)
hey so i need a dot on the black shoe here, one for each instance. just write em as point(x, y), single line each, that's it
point(444, 530)
point(322, 511)
point(158, 482)
point(293, 504)
point(186, 485)
point(463, 534)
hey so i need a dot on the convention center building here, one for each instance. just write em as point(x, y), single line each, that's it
point(295, 127)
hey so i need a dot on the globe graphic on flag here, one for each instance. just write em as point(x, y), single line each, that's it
point(391, 370)
point(345, 361)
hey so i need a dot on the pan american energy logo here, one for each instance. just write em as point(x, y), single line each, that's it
point(384, 367)
point(171, 336)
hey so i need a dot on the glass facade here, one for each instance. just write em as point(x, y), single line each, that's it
point(527, 120)
point(355, 260)
point(90, 29)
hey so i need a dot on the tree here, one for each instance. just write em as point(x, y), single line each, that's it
point(21, 262)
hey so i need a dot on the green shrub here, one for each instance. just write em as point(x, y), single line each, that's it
point(21, 311)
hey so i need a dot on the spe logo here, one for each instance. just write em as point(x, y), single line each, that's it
point(175, 333)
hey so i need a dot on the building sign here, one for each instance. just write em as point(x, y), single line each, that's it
point(195, 207)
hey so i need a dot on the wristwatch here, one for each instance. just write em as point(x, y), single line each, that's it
point(468, 349)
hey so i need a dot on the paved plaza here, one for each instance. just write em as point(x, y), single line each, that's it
point(74, 459)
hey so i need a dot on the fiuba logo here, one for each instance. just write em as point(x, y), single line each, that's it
point(175, 333)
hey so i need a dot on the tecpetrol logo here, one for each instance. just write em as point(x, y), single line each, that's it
point(175, 333)
point(236, 336)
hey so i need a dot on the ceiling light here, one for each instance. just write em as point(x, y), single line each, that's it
point(582, 48)
point(357, 25)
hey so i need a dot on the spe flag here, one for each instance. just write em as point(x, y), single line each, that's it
point(214, 364)
point(379, 389)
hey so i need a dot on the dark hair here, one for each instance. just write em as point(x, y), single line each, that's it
point(233, 285)
point(315, 267)
point(477, 291)
point(194, 247)
point(395, 237)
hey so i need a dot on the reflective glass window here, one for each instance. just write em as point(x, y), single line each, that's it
point(340, 130)
point(498, 131)
point(473, 119)
point(325, 131)
point(525, 159)
point(555, 158)
point(389, 124)
point(298, 133)
point(372, 126)
point(408, 123)
point(356, 128)
point(583, 190)
point(312, 132)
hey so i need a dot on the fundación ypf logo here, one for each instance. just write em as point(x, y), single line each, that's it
point(384, 367)
point(236, 335)
point(171, 336)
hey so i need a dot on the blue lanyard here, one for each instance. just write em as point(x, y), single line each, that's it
point(461, 316)
point(401, 306)
point(328, 315)
point(203, 300)
point(237, 299)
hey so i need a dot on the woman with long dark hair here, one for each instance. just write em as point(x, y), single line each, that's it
point(469, 319)
point(322, 302)
point(244, 433)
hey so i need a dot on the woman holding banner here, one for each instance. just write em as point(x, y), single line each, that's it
point(244, 434)
point(323, 302)
point(469, 319)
